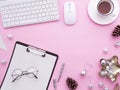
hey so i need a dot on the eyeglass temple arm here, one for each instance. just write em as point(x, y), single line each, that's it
point(16, 78)
point(25, 74)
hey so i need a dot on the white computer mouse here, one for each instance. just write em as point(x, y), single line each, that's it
point(70, 13)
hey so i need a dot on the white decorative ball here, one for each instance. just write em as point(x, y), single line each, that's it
point(3, 62)
point(9, 36)
point(117, 43)
point(107, 68)
point(105, 50)
point(106, 88)
point(103, 73)
point(100, 84)
point(90, 86)
point(83, 72)
point(103, 62)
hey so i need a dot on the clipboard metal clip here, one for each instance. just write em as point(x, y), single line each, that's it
point(36, 51)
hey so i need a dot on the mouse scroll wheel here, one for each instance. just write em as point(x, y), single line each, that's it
point(69, 5)
point(69, 8)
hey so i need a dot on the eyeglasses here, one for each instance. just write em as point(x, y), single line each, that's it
point(30, 72)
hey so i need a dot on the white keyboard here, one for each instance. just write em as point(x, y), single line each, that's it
point(30, 12)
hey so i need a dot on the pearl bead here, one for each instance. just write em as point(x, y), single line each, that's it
point(106, 88)
point(103, 73)
point(107, 68)
point(83, 72)
point(9, 36)
point(100, 84)
point(90, 86)
point(110, 64)
point(3, 62)
point(103, 62)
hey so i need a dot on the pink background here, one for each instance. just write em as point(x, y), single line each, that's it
point(76, 46)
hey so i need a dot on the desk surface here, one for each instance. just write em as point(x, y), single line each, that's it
point(76, 46)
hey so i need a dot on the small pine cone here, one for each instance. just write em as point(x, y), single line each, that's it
point(116, 31)
point(72, 84)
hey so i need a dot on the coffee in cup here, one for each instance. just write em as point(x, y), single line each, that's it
point(105, 7)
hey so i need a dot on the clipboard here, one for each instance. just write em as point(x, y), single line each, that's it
point(30, 68)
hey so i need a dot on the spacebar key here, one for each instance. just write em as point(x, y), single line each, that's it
point(30, 21)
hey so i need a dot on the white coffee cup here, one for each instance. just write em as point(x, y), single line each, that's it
point(105, 7)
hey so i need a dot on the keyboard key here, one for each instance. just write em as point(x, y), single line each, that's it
point(8, 20)
point(37, 3)
point(47, 5)
point(12, 23)
point(47, 14)
point(43, 6)
point(43, 14)
point(52, 17)
point(39, 7)
point(39, 15)
point(16, 22)
point(48, 18)
point(57, 17)
point(30, 21)
point(5, 25)
point(44, 2)
point(4, 12)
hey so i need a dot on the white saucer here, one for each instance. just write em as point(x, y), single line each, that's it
point(99, 19)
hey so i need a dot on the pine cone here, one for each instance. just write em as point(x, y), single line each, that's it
point(116, 31)
point(72, 84)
